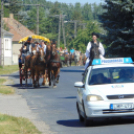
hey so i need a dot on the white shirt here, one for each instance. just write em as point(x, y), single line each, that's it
point(44, 47)
point(101, 49)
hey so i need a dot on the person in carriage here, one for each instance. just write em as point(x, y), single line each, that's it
point(26, 49)
point(44, 46)
point(97, 46)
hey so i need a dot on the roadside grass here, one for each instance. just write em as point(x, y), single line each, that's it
point(16, 125)
point(5, 89)
point(8, 69)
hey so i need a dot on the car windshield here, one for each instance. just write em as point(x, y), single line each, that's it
point(111, 75)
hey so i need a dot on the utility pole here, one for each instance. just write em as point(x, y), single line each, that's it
point(37, 5)
point(63, 28)
point(75, 29)
point(37, 30)
point(75, 26)
point(61, 22)
point(2, 34)
point(59, 32)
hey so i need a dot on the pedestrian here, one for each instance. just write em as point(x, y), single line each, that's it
point(91, 44)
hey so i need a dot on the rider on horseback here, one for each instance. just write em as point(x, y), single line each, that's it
point(72, 51)
point(97, 46)
point(65, 51)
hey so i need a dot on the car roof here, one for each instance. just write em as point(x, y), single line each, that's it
point(112, 65)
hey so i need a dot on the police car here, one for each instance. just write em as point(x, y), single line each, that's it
point(107, 90)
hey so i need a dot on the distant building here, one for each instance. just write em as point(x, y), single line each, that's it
point(19, 31)
point(8, 56)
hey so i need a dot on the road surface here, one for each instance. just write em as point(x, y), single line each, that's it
point(57, 107)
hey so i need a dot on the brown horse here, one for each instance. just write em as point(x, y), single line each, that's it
point(66, 61)
point(28, 60)
point(40, 66)
point(84, 58)
point(53, 64)
point(73, 58)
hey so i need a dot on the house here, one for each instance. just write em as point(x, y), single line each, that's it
point(19, 31)
point(7, 48)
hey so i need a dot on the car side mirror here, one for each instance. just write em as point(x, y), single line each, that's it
point(79, 85)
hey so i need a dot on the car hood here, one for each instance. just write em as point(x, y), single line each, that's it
point(112, 89)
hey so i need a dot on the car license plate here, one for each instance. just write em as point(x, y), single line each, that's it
point(121, 106)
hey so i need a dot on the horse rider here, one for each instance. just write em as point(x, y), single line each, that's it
point(94, 43)
point(65, 51)
point(72, 51)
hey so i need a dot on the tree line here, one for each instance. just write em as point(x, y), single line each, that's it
point(49, 24)
point(113, 20)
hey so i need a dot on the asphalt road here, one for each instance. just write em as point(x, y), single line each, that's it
point(57, 107)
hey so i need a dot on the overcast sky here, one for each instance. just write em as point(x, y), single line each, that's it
point(81, 1)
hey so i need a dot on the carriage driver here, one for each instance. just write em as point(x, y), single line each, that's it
point(93, 43)
point(44, 46)
point(26, 48)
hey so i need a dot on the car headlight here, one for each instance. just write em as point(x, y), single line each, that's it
point(94, 98)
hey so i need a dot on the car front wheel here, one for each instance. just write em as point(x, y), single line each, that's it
point(81, 119)
point(87, 122)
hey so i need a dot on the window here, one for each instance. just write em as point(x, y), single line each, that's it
point(7, 44)
point(112, 75)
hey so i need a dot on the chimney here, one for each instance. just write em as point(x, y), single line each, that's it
point(11, 16)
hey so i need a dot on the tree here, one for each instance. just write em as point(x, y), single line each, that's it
point(84, 36)
point(118, 21)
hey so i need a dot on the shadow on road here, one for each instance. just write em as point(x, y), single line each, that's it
point(17, 86)
point(72, 71)
point(97, 123)
point(71, 97)
point(70, 123)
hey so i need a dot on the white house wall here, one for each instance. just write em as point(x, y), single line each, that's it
point(16, 52)
point(7, 51)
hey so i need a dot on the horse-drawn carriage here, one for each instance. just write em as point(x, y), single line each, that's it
point(38, 65)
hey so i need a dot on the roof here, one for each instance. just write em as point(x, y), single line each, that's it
point(6, 33)
point(113, 65)
point(18, 30)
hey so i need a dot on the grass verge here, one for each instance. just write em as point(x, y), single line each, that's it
point(8, 69)
point(5, 89)
point(16, 125)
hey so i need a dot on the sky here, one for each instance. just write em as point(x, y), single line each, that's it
point(81, 1)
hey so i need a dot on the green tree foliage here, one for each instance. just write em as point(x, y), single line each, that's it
point(118, 21)
point(49, 21)
point(84, 36)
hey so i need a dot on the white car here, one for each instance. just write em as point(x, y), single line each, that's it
point(107, 90)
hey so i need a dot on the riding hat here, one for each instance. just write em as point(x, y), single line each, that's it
point(96, 34)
